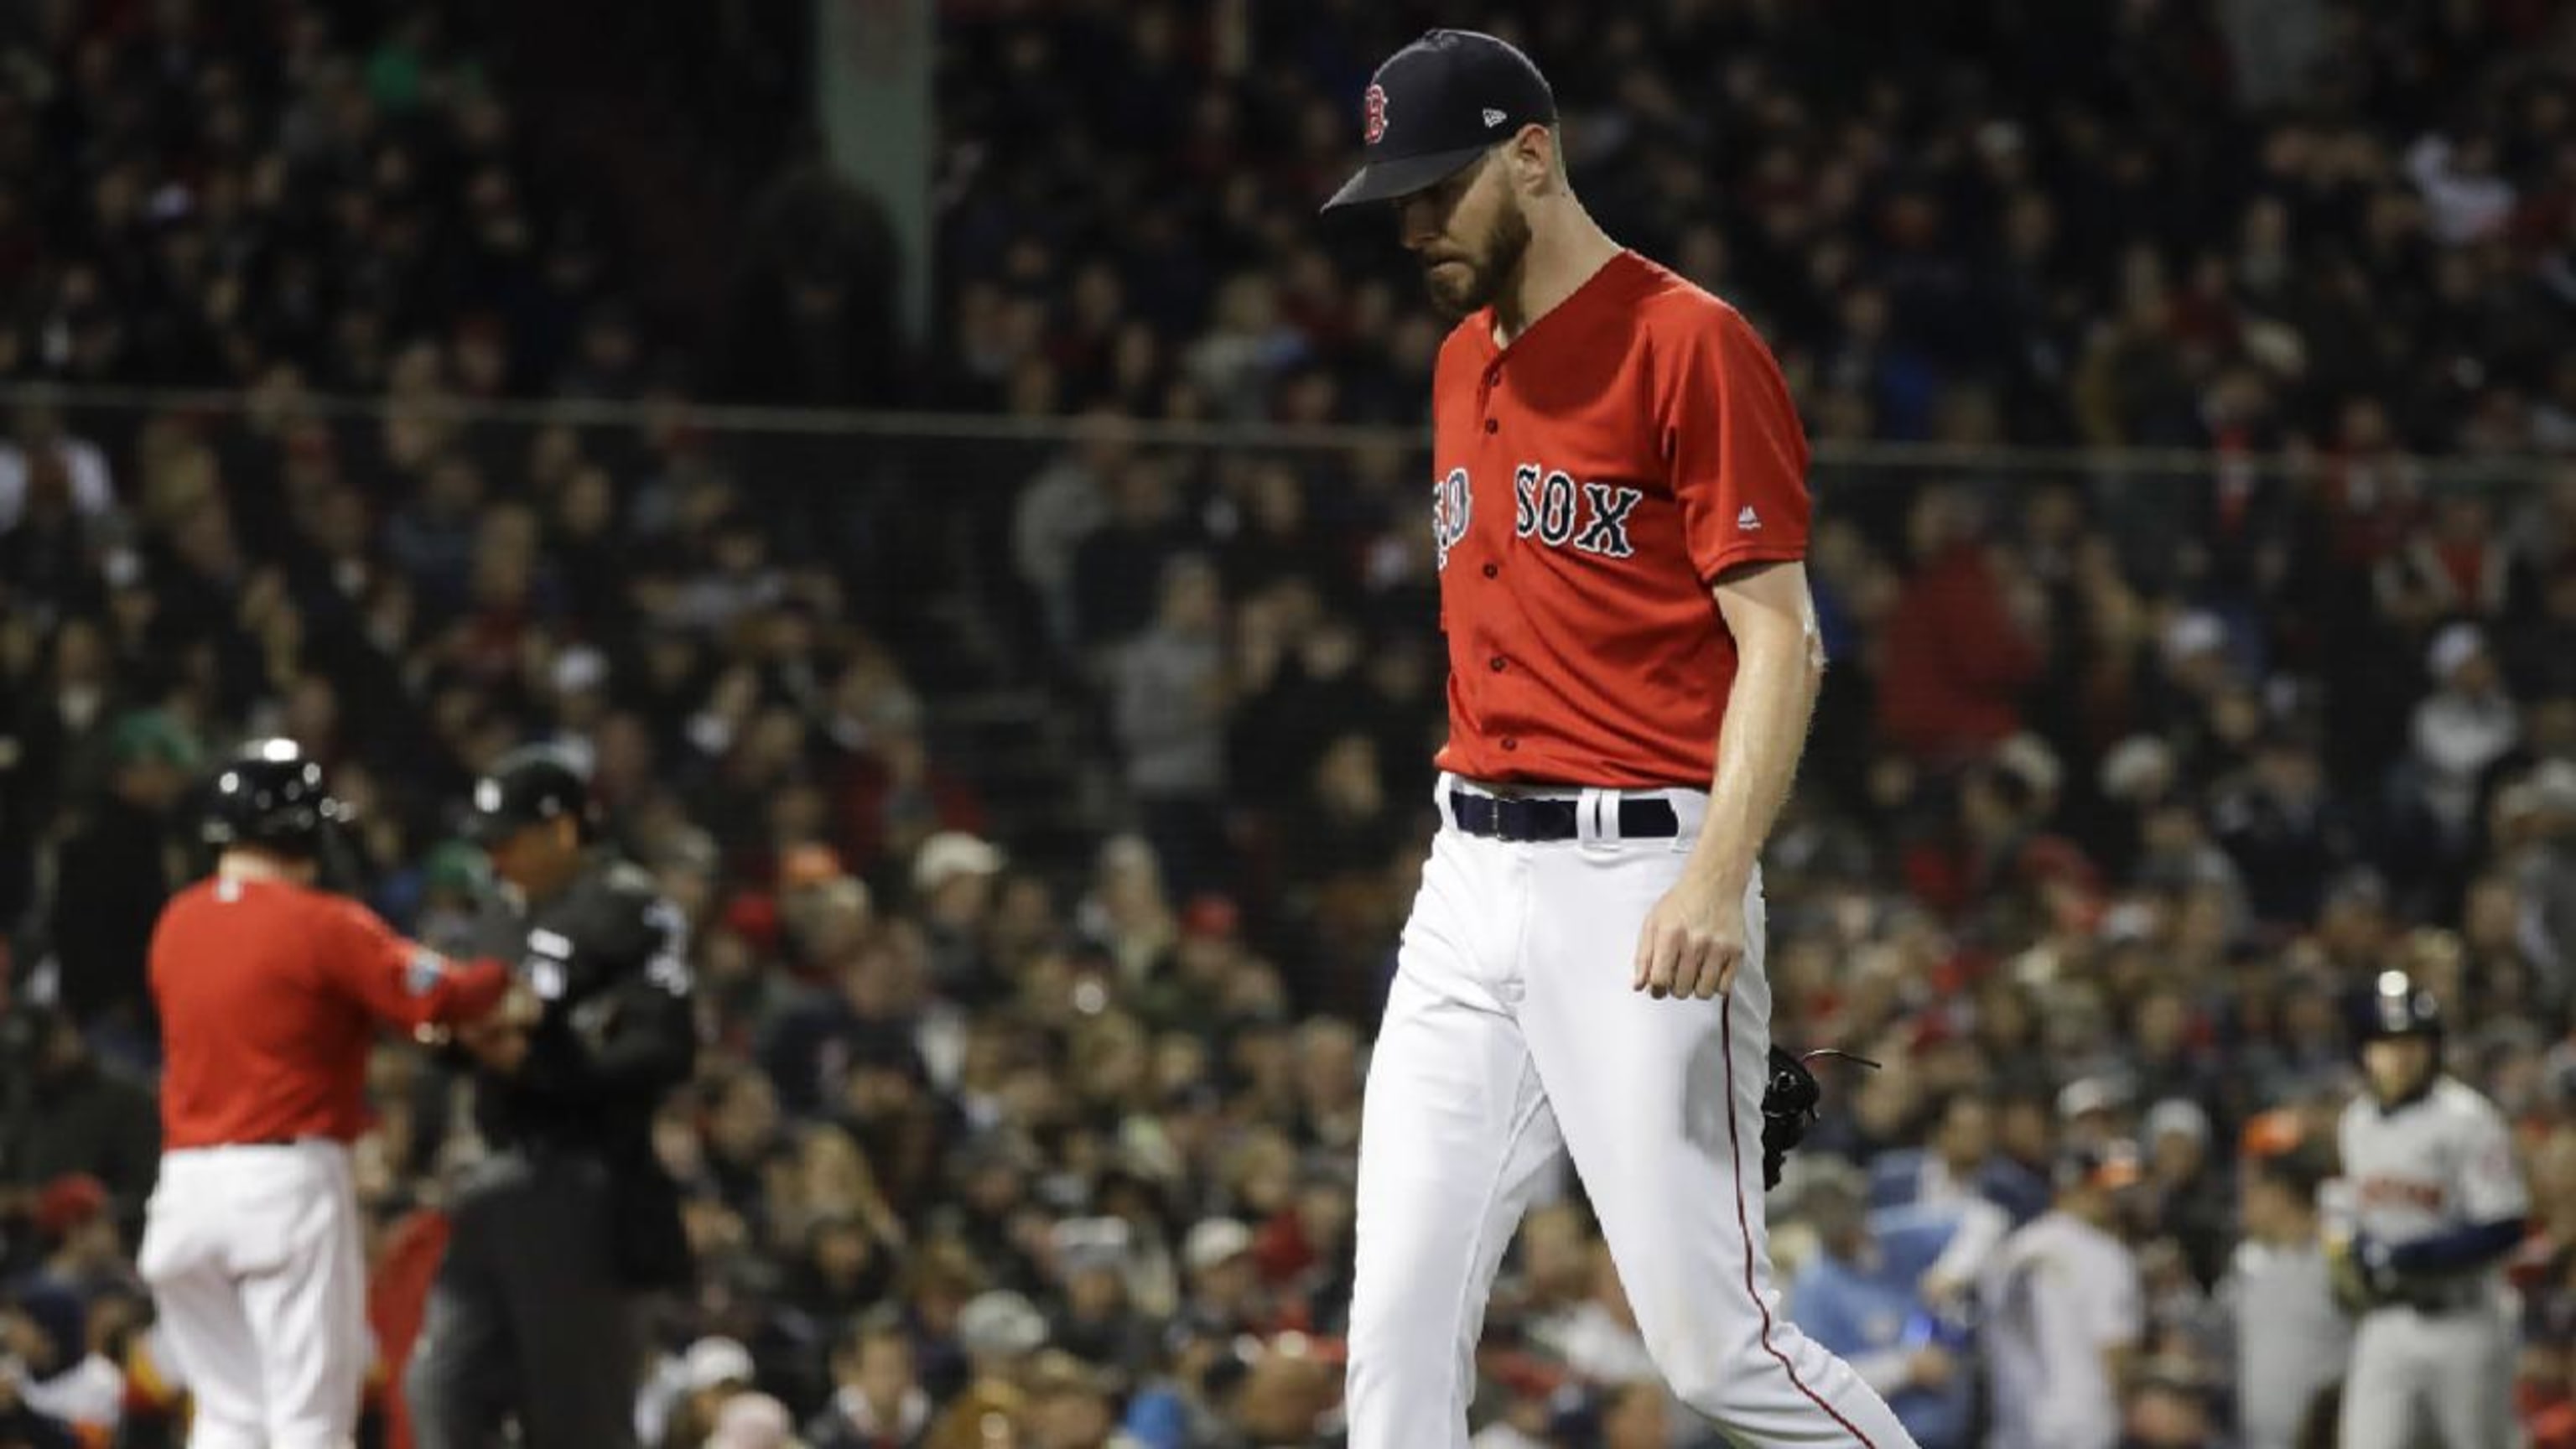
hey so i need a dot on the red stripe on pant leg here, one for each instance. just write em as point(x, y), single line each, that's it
point(1744, 1222)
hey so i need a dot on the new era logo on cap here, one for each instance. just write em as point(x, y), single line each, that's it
point(1437, 105)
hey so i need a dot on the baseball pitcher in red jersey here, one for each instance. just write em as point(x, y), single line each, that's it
point(271, 993)
point(1619, 494)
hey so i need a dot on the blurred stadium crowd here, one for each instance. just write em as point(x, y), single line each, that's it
point(2121, 779)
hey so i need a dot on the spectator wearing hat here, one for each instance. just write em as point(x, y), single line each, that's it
point(2065, 1311)
point(1098, 1323)
point(1073, 1405)
point(78, 1232)
point(1129, 909)
point(1223, 1288)
point(113, 872)
point(823, 912)
point(2465, 725)
point(2187, 1197)
point(998, 1334)
point(712, 1371)
point(877, 1398)
point(2095, 1110)
point(453, 879)
point(952, 883)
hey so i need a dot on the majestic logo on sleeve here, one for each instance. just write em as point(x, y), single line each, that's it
point(1452, 501)
point(1373, 114)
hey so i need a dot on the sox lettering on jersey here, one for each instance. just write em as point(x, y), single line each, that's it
point(1544, 506)
point(1547, 505)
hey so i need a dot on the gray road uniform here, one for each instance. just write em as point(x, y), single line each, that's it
point(2432, 1201)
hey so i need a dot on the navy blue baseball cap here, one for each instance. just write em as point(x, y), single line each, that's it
point(1437, 105)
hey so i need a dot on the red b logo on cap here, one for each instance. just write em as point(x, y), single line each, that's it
point(1373, 114)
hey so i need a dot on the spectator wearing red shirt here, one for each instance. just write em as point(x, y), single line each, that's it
point(1960, 645)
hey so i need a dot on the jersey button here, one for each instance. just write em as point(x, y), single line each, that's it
point(1497, 664)
point(1510, 744)
point(1492, 569)
point(1492, 426)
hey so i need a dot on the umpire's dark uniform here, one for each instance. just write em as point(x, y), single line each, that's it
point(571, 1219)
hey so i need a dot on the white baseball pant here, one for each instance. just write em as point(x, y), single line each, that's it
point(1512, 1034)
point(2432, 1379)
point(258, 1274)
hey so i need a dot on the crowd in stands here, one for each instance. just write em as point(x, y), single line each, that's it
point(2120, 783)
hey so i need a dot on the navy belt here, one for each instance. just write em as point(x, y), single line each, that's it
point(1538, 819)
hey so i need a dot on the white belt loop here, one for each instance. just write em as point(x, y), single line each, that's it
point(1690, 812)
point(1440, 800)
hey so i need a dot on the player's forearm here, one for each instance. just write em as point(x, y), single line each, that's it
point(1778, 672)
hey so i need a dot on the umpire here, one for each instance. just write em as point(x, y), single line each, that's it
point(571, 1219)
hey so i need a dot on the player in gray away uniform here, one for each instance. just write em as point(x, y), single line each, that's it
point(2435, 1203)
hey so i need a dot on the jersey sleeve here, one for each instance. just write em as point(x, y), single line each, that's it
point(2491, 1186)
point(1738, 453)
point(402, 981)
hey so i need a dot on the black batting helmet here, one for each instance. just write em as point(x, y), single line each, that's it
point(272, 796)
point(2396, 1006)
point(529, 787)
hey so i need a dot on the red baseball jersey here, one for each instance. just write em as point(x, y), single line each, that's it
point(270, 995)
point(1594, 479)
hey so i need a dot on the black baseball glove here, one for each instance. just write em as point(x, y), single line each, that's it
point(1789, 1106)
